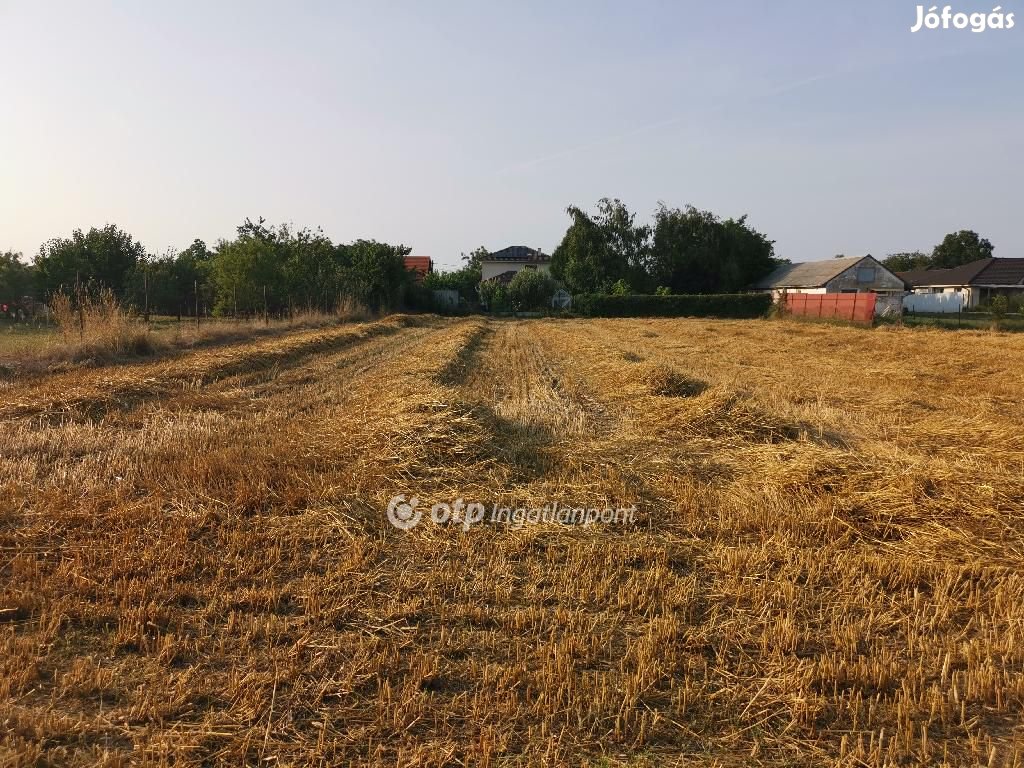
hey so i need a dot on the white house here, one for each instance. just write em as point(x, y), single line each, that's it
point(849, 274)
point(502, 265)
point(971, 284)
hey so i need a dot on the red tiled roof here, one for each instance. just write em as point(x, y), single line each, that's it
point(421, 265)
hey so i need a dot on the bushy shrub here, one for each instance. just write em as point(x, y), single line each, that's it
point(735, 305)
point(531, 289)
point(494, 296)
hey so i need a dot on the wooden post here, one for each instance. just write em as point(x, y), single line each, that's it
point(196, 286)
point(266, 317)
point(145, 289)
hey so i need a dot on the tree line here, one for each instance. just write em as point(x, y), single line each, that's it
point(279, 269)
point(683, 250)
point(264, 268)
point(956, 248)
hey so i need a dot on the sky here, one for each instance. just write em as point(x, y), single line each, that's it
point(446, 125)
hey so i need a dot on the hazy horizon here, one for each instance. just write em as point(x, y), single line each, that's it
point(447, 127)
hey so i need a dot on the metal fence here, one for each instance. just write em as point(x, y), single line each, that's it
point(854, 307)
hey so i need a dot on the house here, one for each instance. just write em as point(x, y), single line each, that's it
point(850, 274)
point(976, 282)
point(420, 265)
point(502, 265)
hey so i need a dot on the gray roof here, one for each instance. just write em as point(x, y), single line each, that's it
point(990, 271)
point(518, 253)
point(810, 274)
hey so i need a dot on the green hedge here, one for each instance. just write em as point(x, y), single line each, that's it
point(737, 305)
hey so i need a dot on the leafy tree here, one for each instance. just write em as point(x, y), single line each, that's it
point(248, 268)
point(17, 279)
point(694, 251)
point(494, 296)
point(374, 273)
point(312, 270)
point(621, 288)
point(531, 289)
point(906, 261)
point(599, 250)
point(104, 257)
point(959, 248)
point(167, 284)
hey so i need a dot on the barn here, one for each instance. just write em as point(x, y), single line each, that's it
point(847, 274)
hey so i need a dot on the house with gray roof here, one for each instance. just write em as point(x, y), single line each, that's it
point(502, 265)
point(848, 274)
point(977, 282)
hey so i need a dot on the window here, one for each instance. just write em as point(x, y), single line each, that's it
point(865, 274)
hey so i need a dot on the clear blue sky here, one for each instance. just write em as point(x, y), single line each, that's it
point(448, 125)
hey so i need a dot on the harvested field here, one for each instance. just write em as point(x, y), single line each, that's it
point(826, 566)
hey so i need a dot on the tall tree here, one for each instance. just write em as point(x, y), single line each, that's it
point(248, 270)
point(959, 248)
point(103, 257)
point(598, 251)
point(695, 251)
point(374, 273)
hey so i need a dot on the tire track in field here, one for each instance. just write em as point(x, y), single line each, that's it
point(540, 419)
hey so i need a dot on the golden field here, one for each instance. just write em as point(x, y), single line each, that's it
point(826, 567)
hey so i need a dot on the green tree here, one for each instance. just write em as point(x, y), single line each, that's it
point(906, 261)
point(621, 288)
point(494, 296)
point(695, 251)
point(599, 250)
point(104, 257)
point(249, 269)
point(374, 273)
point(17, 279)
point(531, 289)
point(312, 270)
point(167, 284)
point(959, 248)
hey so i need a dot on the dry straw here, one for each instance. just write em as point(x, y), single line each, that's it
point(196, 568)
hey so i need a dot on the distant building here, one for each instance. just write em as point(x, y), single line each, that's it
point(501, 266)
point(420, 265)
point(977, 282)
point(850, 274)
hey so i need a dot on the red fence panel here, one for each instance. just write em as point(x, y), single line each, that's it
point(852, 307)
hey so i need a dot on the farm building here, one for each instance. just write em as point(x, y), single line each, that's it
point(850, 274)
point(502, 265)
point(968, 285)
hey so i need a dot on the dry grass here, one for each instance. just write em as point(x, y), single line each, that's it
point(827, 567)
point(97, 330)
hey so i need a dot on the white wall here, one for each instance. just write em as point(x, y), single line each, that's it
point(933, 302)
